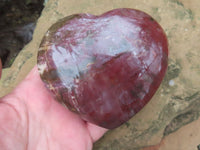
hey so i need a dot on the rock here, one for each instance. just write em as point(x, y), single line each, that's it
point(105, 68)
point(18, 37)
point(186, 138)
point(174, 108)
point(0, 68)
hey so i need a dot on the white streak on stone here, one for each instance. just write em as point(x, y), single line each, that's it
point(42, 68)
point(171, 83)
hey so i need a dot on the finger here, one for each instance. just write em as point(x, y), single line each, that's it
point(95, 131)
point(32, 83)
point(32, 91)
point(31, 80)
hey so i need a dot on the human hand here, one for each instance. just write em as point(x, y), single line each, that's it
point(31, 119)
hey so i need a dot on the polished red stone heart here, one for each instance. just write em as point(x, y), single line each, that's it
point(107, 67)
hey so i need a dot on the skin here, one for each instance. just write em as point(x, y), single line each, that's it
point(31, 119)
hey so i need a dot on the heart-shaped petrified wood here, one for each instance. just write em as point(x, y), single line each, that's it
point(107, 67)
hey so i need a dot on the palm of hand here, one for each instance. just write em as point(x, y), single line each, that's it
point(33, 120)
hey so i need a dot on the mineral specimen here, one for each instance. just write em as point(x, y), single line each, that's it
point(105, 68)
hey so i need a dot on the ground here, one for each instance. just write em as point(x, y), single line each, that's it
point(17, 22)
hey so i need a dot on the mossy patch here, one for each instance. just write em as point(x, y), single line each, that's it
point(127, 124)
point(174, 69)
point(196, 68)
point(180, 11)
point(156, 14)
point(176, 2)
point(173, 72)
point(186, 14)
point(188, 97)
point(180, 121)
point(189, 56)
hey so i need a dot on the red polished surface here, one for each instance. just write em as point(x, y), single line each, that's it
point(105, 68)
